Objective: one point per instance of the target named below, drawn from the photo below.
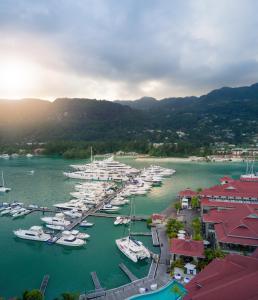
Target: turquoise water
(24, 263)
(165, 293)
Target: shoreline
(164, 159)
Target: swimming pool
(172, 291)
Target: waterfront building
(233, 277)
(229, 194)
(187, 249)
(185, 197)
(157, 219)
(232, 230)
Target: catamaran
(133, 249)
(4, 189)
(250, 174)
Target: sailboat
(4, 189)
(133, 249)
(250, 174)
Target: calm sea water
(24, 263)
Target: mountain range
(223, 115)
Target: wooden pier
(129, 274)
(110, 215)
(44, 284)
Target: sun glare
(17, 78)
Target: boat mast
(3, 179)
(91, 159)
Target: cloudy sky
(125, 49)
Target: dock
(129, 274)
(110, 215)
(96, 281)
(141, 233)
(157, 275)
(44, 284)
(155, 238)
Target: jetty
(127, 272)
(155, 238)
(157, 275)
(110, 215)
(44, 284)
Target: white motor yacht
(35, 233)
(6, 211)
(86, 224)
(134, 250)
(73, 214)
(58, 219)
(80, 235)
(55, 227)
(109, 208)
(20, 213)
(67, 239)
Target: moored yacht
(58, 219)
(73, 214)
(109, 208)
(133, 249)
(67, 239)
(35, 233)
(3, 188)
(85, 223)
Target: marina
(36, 189)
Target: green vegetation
(178, 263)
(149, 222)
(173, 226)
(68, 296)
(170, 127)
(210, 254)
(32, 295)
(195, 202)
(196, 223)
(177, 206)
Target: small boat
(55, 227)
(67, 239)
(121, 220)
(29, 155)
(86, 224)
(35, 233)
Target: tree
(173, 226)
(32, 295)
(177, 206)
(69, 296)
(195, 202)
(196, 223)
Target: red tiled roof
(236, 226)
(226, 178)
(236, 188)
(206, 202)
(187, 193)
(157, 217)
(187, 248)
(234, 277)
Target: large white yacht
(67, 239)
(35, 233)
(85, 223)
(79, 235)
(109, 208)
(20, 213)
(73, 214)
(134, 250)
(55, 227)
(58, 219)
